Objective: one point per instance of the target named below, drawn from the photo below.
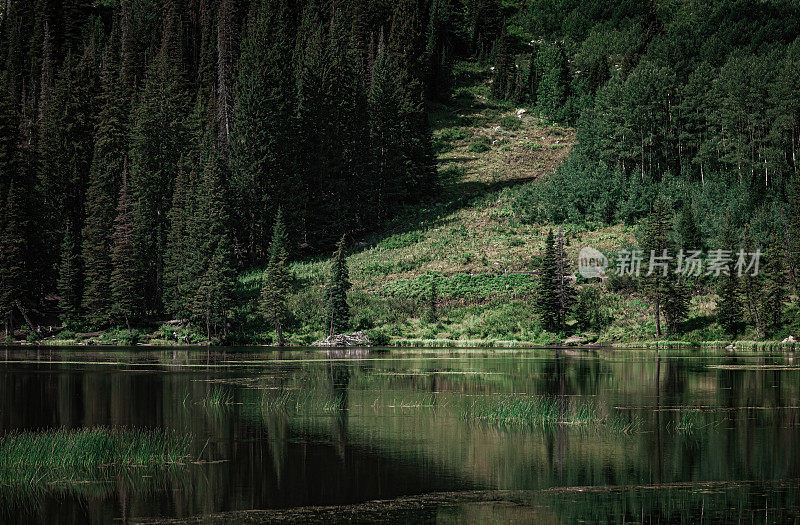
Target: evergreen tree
(110, 146)
(547, 300)
(729, 307)
(13, 247)
(431, 311)
(688, 233)
(160, 135)
(503, 83)
(275, 287)
(338, 286)
(660, 285)
(213, 296)
(69, 280)
(180, 261)
(263, 135)
(438, 50)
(564, 290)
(126, 287)
(773, 273)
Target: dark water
(716, 435)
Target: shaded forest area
(147, 145)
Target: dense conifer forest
(151, 150)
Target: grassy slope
(470, 241)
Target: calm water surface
(712, 437)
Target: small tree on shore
(275, 287)
(564, 291)
(431, 313)
(338, 286)
(546, 300)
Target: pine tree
(794, 229)
(547, 305)
(126, 287)
(160, 136)
(729, 307)
(688, 231)
(504, 69)
(110, 146)
(263, 135)
(564, 290)
(431, 311)
(668, 296)
(180, 261)
(338, 286)
(69, 280)
(773, 275)
(437, 51)
(276, 282)
(13, 247)
(215, 279)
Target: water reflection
(718, 432)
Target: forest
(147, 147)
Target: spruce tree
(180, 259)
(214, 283)
(69, 280)
(13, 247)
(338, 316)
(729, 306)
(431, 310)
(263, 135)
(667, 294)
(126, 287)
(688, 232)
(110, 147)
(160, 135)
(276, 281)
(773, 276)
(564, 290)
(547, 305)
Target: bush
(511, 123)
(480, 145)
(379, 337)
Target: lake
(418, 435)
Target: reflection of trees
(340, 380)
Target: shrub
(379, 337)
(511, 123)
(481, 144)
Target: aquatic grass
(62, 455)
(217, 397)
(544, 411)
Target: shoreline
(438, 344)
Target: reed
(544, 411)
(68, 455)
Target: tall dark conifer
(262, 136)
(212, 298)
(69, 279)
(110, 149)
(126, 284)
(275, 285)
(13, 260)
(160, 135)
(338, 316)
(547, 303)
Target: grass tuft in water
(217, 397)
(70, 455)
(544, 411)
